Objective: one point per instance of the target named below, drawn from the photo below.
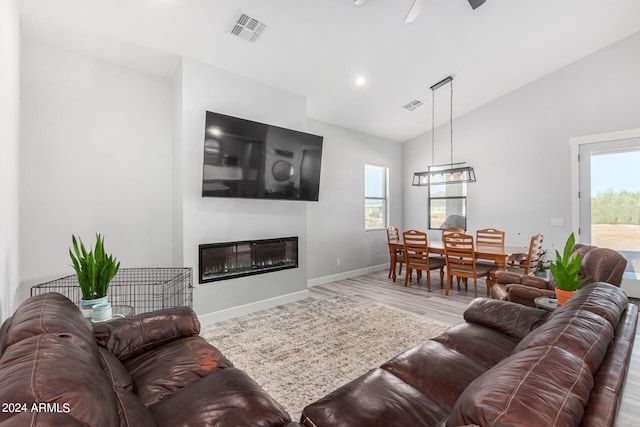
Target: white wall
(95, 156)
(336, 223)
(9, 137)
(519, 144)
(213, 220)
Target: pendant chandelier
(449, 173)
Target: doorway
(609, 198)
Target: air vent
(413, 105)
(247, 28)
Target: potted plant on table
(565, 271)
(94, 269)
(543, 264)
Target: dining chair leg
(475, 286)
(446, 290)
(490, 281)
(441, 277)
(407, 276)
(428, 274)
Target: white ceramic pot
(86, 305)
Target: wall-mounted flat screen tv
(243, 158)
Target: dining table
(498, 254)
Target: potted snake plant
(94, 269)
(565, 270)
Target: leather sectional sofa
(507, 365)
(148, 370)
(597, 265)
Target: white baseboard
(346, 275)
(242, 310)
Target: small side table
(122, 311)
(546, 303)
(117, 312)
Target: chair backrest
(535, 249)
(602, 265)
(392, 234)
(459, 252)
(490, 236)
(416, 251)
(450, 230)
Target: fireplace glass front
(221, 261)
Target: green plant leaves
(95, 269)
(566, 267)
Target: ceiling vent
(247, 28)
(413, 105)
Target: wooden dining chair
(460, 256)
(529, 267)
(416, 255)
(490, 236)
(396, 256)
(450, 230)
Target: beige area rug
(300, 352)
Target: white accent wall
(519, 145)
(9, 138)
(216, 220)
(336, 223)
(95, 156)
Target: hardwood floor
(448, 309)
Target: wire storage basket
(144, 289)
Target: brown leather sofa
(507, 365)
(147, 370)
(597, 265)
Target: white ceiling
(316, 48)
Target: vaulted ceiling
(318, 48)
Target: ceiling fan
(416, 8)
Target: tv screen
(243, 158)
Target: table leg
(393, 259)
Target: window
(448, 206)
(375, 197)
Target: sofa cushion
(132, 336)
(164, 370)
(581, 333)
(114, 370)
(484, 346)
(49, 313)
(599, 298)
(377, 398)
(435, 370)
(227, 397)
(43, 419)
(540, 386)
(506, 317)
(131, 410)
(52, 369)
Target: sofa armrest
(512, 319)
(526, 295)
(132, 336)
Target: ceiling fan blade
(476, 3)
(414, 12)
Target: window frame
(384, 198)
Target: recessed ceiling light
(360, 81)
